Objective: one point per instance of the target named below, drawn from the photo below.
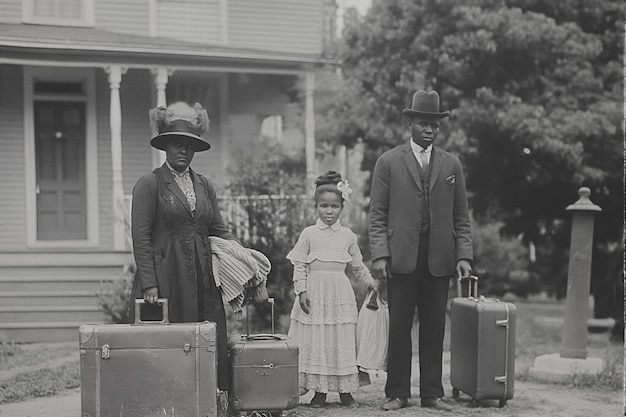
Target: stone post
(574, 344)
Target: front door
(60, 164)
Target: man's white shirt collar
(416, 148)
(334, 227)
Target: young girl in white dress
(324, 314)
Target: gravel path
(531, 399)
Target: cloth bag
(372, 332)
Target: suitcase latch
(501, 379)
(263, 372)
(106, 352)
(502, 323)
(187, 347)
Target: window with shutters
(59, 12)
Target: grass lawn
(539, 332)
(37, 370)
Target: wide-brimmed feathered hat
(180, 119)
(425, 104)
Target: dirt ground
(531, 399)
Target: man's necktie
(423, 160)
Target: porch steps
(46, 299)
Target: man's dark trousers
(429, 294)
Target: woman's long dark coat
(168, 236)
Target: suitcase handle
(472, 286)
(269, 300)
(162, 302)
(266, 336)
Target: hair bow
(345, 189)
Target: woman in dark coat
(174, 211)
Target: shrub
(272, 225)
(114, 296)
(503, 264)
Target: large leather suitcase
(148, 368)
(482, 347)
(264, 372)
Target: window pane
(69, 9)
(43, 8)
(65, 9)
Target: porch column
(309, 130)
(225, 127)
(161, 75)
(115, 119)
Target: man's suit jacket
(396, 214)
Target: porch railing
(253, 218)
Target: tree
(535, 88)
(270, 185)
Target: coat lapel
(411, 164)
(436, 162)
(201, 202)
(173, 187)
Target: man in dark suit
(420, 236)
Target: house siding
(135, 95)
(190, 21)
(292, 26)
(12, 213)
(209, 163)
(128, 16)
(11, 11)
(258, 95)
(281, 25)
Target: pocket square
(450, 180)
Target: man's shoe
(395, 403)
(437, 404)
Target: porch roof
(87, 46)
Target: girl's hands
(375, 285)
(305, 302)
(380, 287)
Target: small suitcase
(149, 368)
(482, 346)
(264, 372)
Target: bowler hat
(425, 104)
(180, 120)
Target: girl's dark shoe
(318, 401)
(347, 400)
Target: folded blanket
(238, 271)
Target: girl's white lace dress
(327, 335)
